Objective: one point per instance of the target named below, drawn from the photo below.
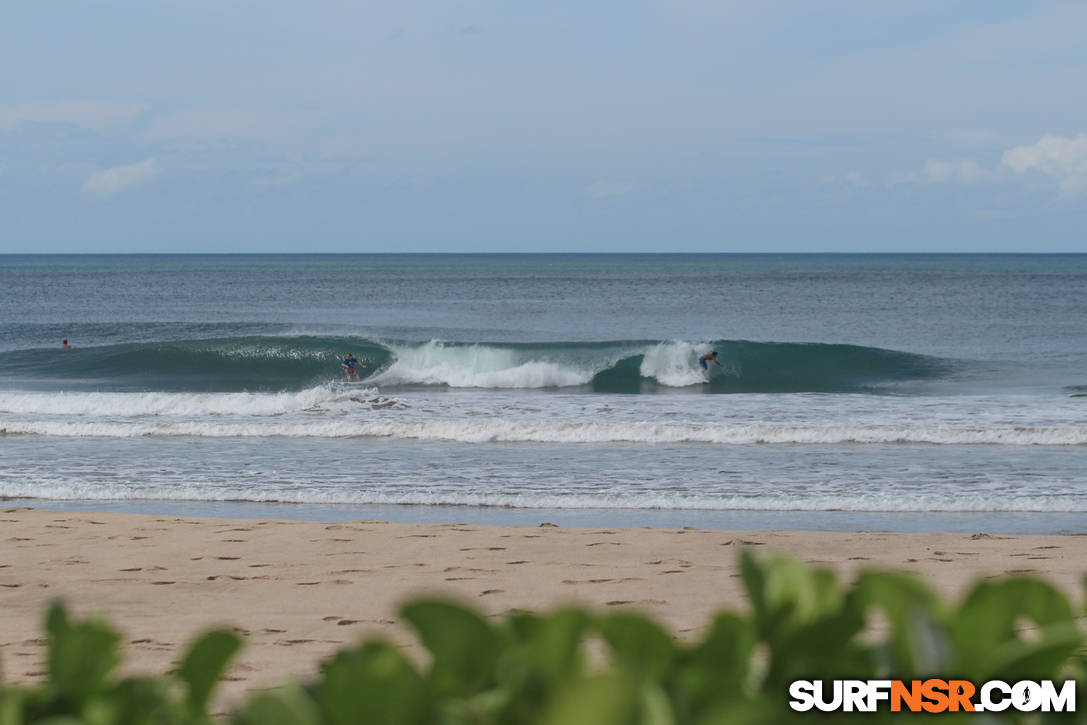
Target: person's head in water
(64, 344)
(714, 354)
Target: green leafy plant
(536, 668)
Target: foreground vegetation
(533, 668)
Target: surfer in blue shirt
(704, 360)
(349, 364)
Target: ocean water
(912, 392)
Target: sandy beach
(300, 590)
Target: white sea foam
(673, 364)
(858, 500)
(478, 366)
(174, 404)
(492, 430)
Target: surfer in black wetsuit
(349, 364)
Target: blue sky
(647, 125)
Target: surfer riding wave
(350, 365)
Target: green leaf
(918, 643)
(373, 683)
(289, 705)
(81, 656)
(550, 646)
(543, 653)
(987, 634)
(205, 663)
(716, 670)
(786, 595)
(638, 645)
(464, 647)
(609, 699)
(143, 699)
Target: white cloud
(89, 114)
(1063, 159)
(115, 179)
(608, 189)
(936, 171)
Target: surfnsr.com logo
(932, 695)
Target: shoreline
(964, 522)
(301, 590)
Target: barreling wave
(296, 363)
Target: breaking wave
(633, 366)
(509, 431)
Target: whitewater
(348, 411)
